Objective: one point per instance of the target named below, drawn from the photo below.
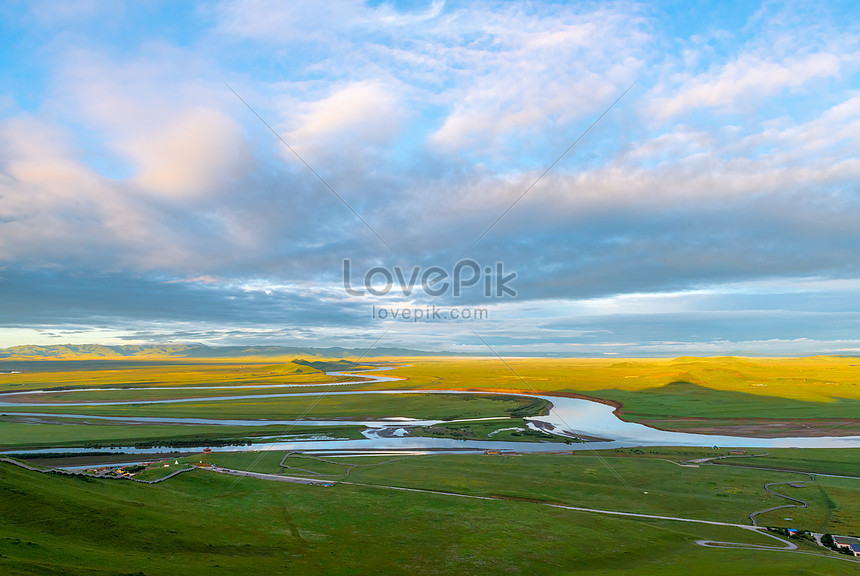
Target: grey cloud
(63, 298)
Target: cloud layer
(128, 168)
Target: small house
(845, 541)
(793, 533)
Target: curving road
(349, 467)
(800, 503)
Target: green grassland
(838, 461)
(657, 391)
(681, 394)
(157, 471)
(765, 388)
(204, 523)
(265, 461)
(320, 407)
(19, 435)
(695, 400)
(309, 466)
(840, 496)
(488, 430)
(165, 393)
(632, 484)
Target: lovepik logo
(434, 281)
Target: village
(847, 543)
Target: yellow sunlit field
(805, 396)
(98, 373)
(817, 396)
(815, 379)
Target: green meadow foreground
(202, 522)
(434, 513)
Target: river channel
(569, 417)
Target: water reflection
(570, 417)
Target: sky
(662, 178)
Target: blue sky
(713, 210)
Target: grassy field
(513, 430)
(55, 431)
(807, 380)
(661, 392)
(839, 461)
(168, 393)
(627, 482)
(159, 471)
(667, 390)
(320, 407)
(64, 375)
(204, 523)
(741, 396)
(19, 435)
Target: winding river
(570, 417)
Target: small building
(855, 548)
(845, 541)
(793, 532)
(207, 450)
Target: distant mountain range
(194, 351)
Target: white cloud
(286, 22)
(744, 81)
(356, 116)
(490, 71)
(196, 154)
(303, 20)
(532, 75)
(57, 211)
